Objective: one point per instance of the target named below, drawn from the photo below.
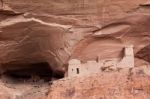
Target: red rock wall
(50, 30)
(53, 31)
(112, 85)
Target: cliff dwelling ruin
(77, 68)
(74, 49)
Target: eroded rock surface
(53, 31)
(50, 31)
(107, 85)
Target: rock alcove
(34, 72)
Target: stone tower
(128, 59)
(74, 67)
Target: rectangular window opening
(77, 70)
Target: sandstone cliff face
(131, 30)
(53, 31)
(112, 85)
(50, 30)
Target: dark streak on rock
(2, 3)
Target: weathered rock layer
(54, 30)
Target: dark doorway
(78, 71)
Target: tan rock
(114, 85)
